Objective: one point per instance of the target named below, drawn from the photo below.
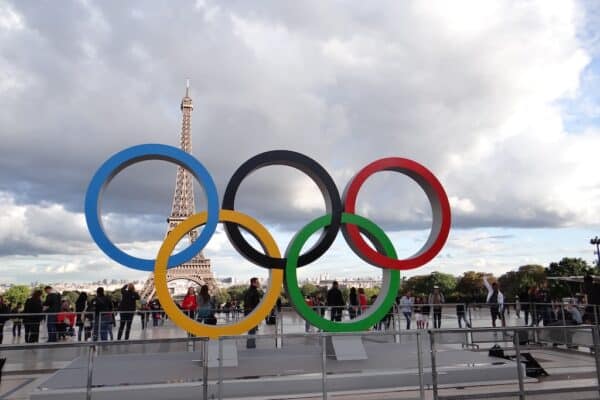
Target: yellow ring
(214, 331)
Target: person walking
(335, 301)
(436, 299)
(309, 302)
(52, 306)
(251, 299)
(17, 320)
(33, 316)
(406, 307)
(418, 311)
(127, 307)
(461, 310)
(495, 299)
(102, 314)
(190, 303)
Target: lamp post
(596, 241)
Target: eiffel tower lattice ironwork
(198, 268)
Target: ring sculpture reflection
(340, 215)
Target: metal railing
(434, 337)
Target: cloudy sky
(499, 99)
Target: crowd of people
(535, 305)
(93, 318)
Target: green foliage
(566, 267)
(308, 289)
(236, 292)
(514, 282)
(470, 287)
(422, 285)
(17, 294)
(221, 296)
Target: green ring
(377, 311)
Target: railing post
(205, 368)
(519, 365)
(324, 365)
(90, 371)
(420, 366)
(562, 309)
(434, 377)
(220, 371)
(596, 338)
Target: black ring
(317, 173)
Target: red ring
(437, 198)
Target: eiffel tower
(197, 269)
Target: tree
(308, 289)
(236, 292)
(221, 296)
(17, 294)
(423, 284)
(470, 286)
(566, 267)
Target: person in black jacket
(4, 316)
(127, 309)
(335, 300)
(102, 314)
(251, 300)
(33, 306)
(80, 308)
(52, 307)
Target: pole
(434, 377)
(90, 371)
(420, 366)
(324, 365)
(220, 373)
(205, 369)
(519, 366)
(596, 337)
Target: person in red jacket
(189, 303)
(65, 320)
(362, 300)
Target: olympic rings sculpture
(340, 216)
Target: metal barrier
(435, 338)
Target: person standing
(406, 307)
(4, 316)
(426, 309)
(353, 303)
(103, 314)
(33, 316)
(52, 306)
(495, 299)
(518, 307)
(362, 301)
(335, 301)
(436, 299)
(206, 307)
(127, 307)
(80, 307)
(17, 320)
(189, 303)
(309, 302)
(251, 300)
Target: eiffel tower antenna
(198, 268)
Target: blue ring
(133, 155)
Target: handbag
(212, 320)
